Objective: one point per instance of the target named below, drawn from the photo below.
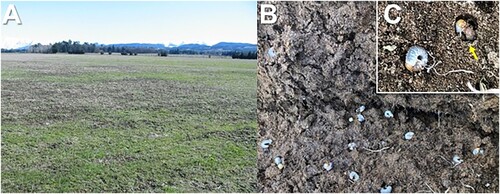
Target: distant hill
(222, 46)
(193, 47)
(233, 46)
(17, 49)
(24, 47)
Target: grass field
(92, 123)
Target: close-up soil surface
(321, 68)
(431, 25)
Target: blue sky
(126, 22)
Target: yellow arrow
(472, 51)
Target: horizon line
(29, 43)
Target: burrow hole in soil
(471, 20)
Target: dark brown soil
(431, 25)
(323, 70)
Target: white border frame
(495, 91)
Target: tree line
(75, 47)
(233, 54)
(242, 55)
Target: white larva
(388, 114)
(476, 151)
(409, 135)
(328, 166)
(353, 176)
(465, 30)
(266, 143)
(271, 53)
(361, 118)
(386, 189)
(279, 162)
(352, 146)
(416, 59)
(457, 160)
(360, 109)
(460, 25)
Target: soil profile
(316, 67)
